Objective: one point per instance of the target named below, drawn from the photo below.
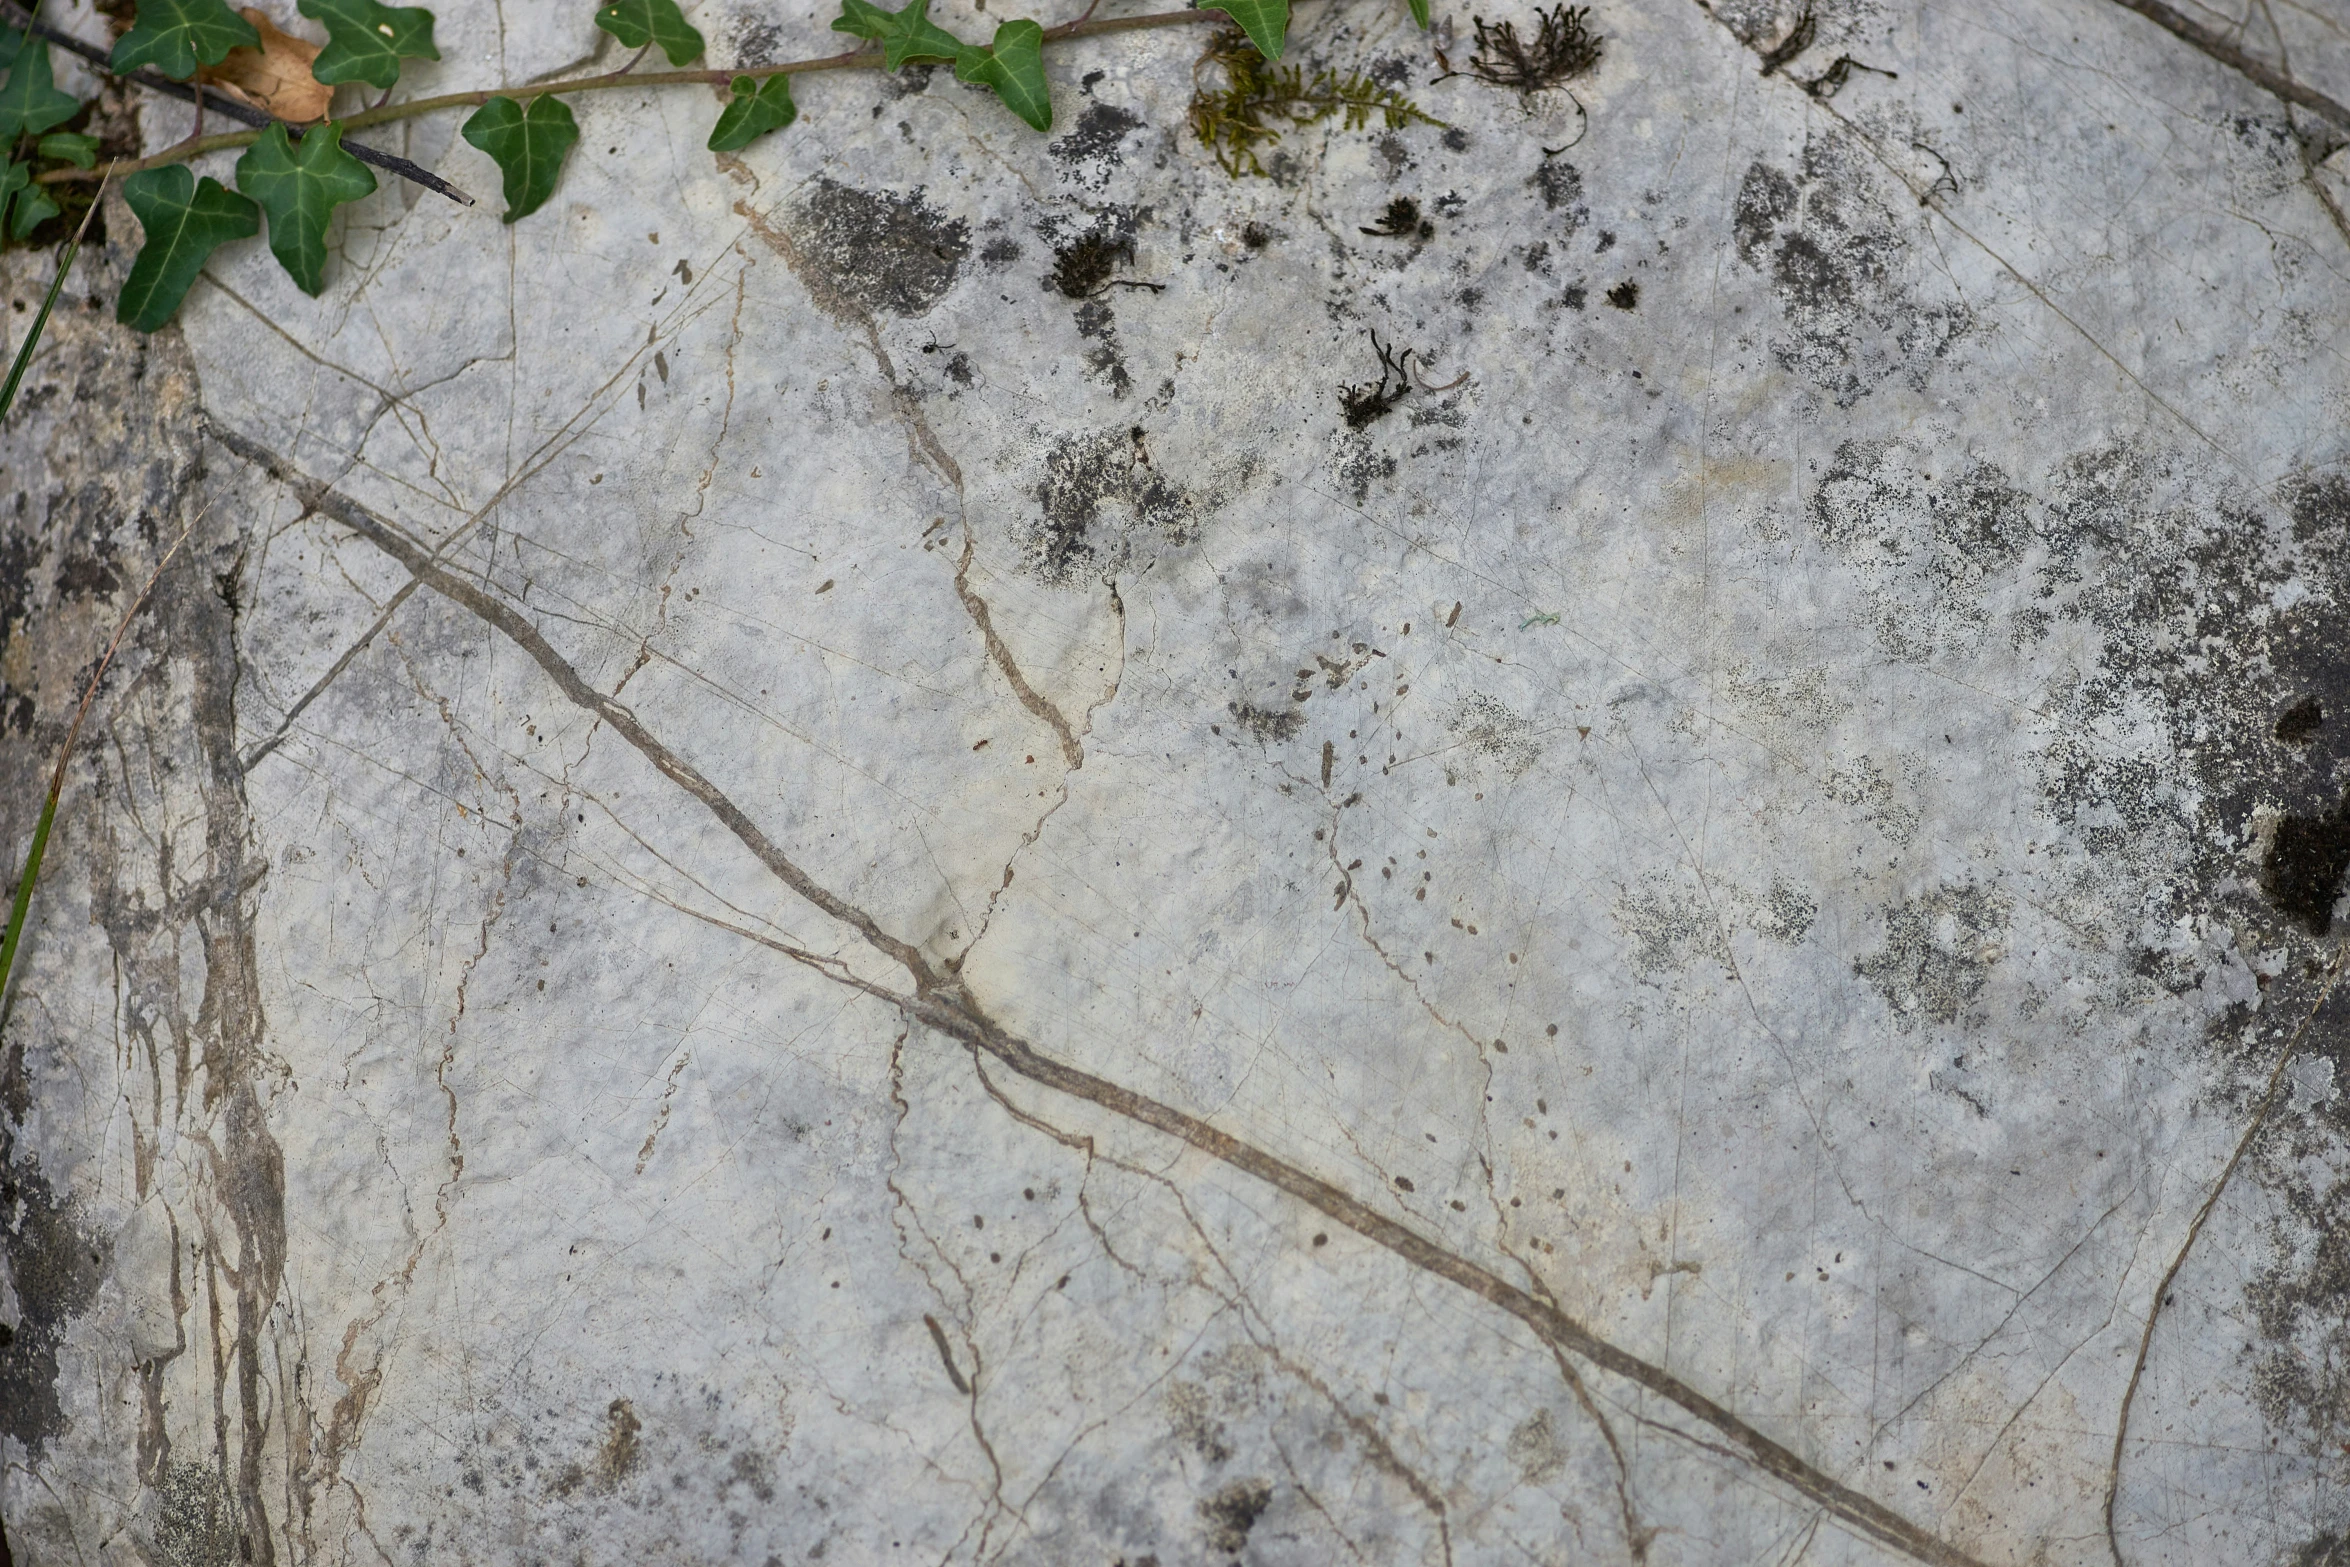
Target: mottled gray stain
(1938, 953)
(56, 1269)
(1099, 497)
(1839, 260)
(881, 251)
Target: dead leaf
(274, 78)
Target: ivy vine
(296, 170)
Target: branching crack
(940, 1002)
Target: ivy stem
(1086, 26)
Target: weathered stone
(934, 843)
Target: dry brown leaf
(274, 78)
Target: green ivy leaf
(299, 184)
(637, 23)
(365, 41)
(185, 220)
(15, 179)
(34, 207)
(528, 144)
(11, 40)
(71, 147)
(757, 108)
(1014, 66)
(908, 34)
(32, 100)
(1267, 21)
(176, 36)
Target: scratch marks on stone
(2259, 1122)
(941, 1003)
(923, 442)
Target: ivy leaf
(757, 108)
(528, 144)
(907, 34)
(1267, 21)
(176, 36)
(365, 41)
(1014, 66)
(185, 220)
(11, 40)
(71, 147)
(15, 179)
(1420, 13)
(299, 184)
(637, 23)
(32, 101)
(34, 207)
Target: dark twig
(1798, 39)
(1366, 402)
(1831, 81)
(2226, 53)
(220, 103)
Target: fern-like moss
(1260, 101)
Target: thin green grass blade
(73, 733)
(24, 357)
(24, 892)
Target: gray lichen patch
(1102, 500)
(882, 252)
(1939, 952)
(1493, 735)
(1844, 269)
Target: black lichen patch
(1105, 360)
(880, 251)
(1096, 144)
(2303, 870)
(1256, 236)
(1561, 186)
(1089, 263)
(1232, 1512)
(1360, 465)
(1401, 220)
(56, 1270)
(1625, 295)
(1838, 259)
(1099, 495)
(1938, 953)
(2297, 724)
(999, 253)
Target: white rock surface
(763, 892)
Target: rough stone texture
(780, 878)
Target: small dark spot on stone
(1625, 295)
